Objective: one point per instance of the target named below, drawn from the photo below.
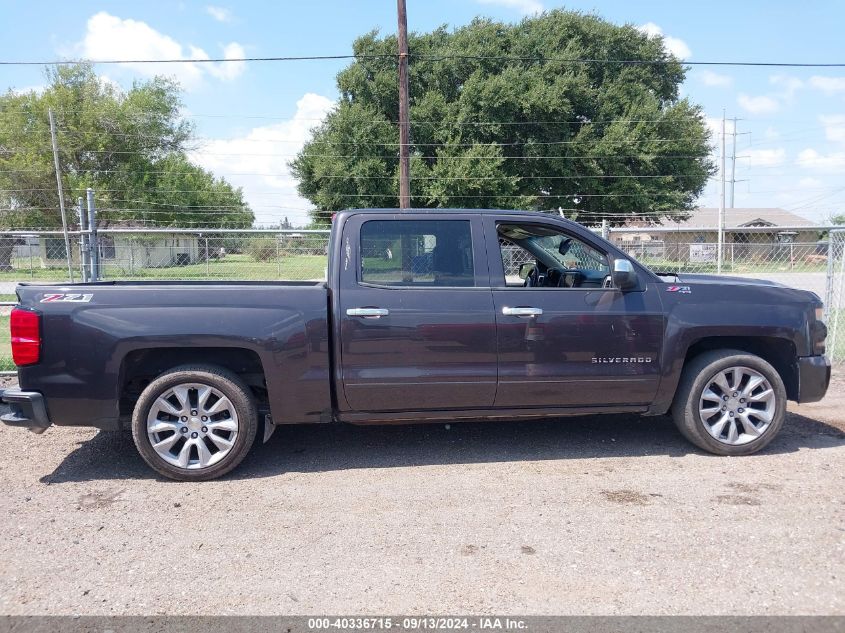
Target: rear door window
(417, 253)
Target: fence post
(828, 282)
(31, 269)
(207, 273)
(835, 303)
(83, 240)
(93, 256)
(278, 258)
(605, 230)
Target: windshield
(569, 253)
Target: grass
(292, 268)
(836, 320)
(239, 266)
(6, 363)
(666, 265)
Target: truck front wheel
(194, 423)
(730, 402)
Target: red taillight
(26, 336)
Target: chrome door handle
(522, 312)
(372, 313)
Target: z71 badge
(67, 298)
(684, 290)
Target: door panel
(569, 346)
(588, 347)
(433, 345)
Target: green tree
(129, 146)
(604, 140)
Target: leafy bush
(262, 249)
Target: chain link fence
(170, 254)
(835, 297)
(795, 257)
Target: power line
(420, 57)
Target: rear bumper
(813, 378)
(27, 410)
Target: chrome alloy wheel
(737, 405)
(192, 425)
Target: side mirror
(525, 270)
(564, 246)
(624, 275)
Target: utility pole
(404, 126)
(721, 238)
(733, 179)
(61, 192)
(733, 163)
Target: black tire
(697, 376)
(223, 380)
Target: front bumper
(27, 409)
(813, 378)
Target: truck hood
(723, 280)
(694, 278)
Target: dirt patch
(98, 499)
(737, 500)
(626, 496)
(750, 488)
(832, 408)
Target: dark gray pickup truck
(426, 316)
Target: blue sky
(252, 116)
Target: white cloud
(834, 127)
(762, 104)
(229, 70)
(715, 126)
(765, 157)
(789, 84)
(811, 159)
(110, 37)
(266, 151)
(221, 14)
(810, 183)
(771, 134)
(715, 79)
(674, 45)
(526, 7)
(38, 89)
(828, 85)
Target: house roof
(742, 217)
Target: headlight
(818, 332)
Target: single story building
(128, 251)
(750, 234)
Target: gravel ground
(602, 515)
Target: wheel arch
(139, 367)
(780, 353)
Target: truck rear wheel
(194, 423)
(730, 402)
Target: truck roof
(507, 212)
(453, 211)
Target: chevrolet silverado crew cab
(426, 316)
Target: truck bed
(108, 330)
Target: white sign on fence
(702, 253)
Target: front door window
(536, 256)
